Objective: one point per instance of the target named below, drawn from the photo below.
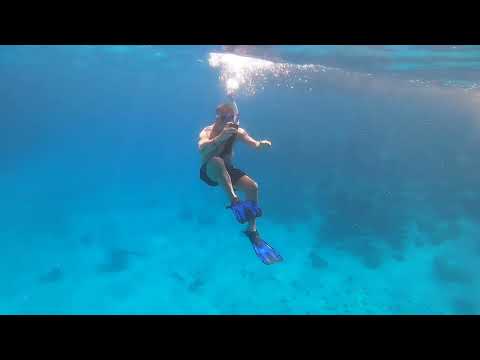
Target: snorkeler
(216, 149)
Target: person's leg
(264, 251)
(250, 188)
(217, 171)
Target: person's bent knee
(254, 186)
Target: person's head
(225, 114)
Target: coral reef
(437, 232)
(371, 256)
(464, 306)
(317, 262)
(178, 277)
(359, 221)
(118, 260)
(450, 271)
(196, 285)
(54, 275)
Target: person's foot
(264, 251)
(243, 210)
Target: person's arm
(250, 141)
(208, 146)
(204, 142)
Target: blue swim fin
(264, 251)
(245, 210)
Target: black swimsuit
(235, 174)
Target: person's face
(226, 118)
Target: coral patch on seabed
(464, 307)
(177, 277)
(451, 271)
(317, 262)
(372, 259)
(118, 260)
(196, 285)
(54, 275)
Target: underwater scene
(239, 180)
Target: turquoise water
(370, 189)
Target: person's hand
(226, 133)
(264, 144)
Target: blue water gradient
(369, 192)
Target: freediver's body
(215, 144)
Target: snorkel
(233, 85)
(236, 116)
